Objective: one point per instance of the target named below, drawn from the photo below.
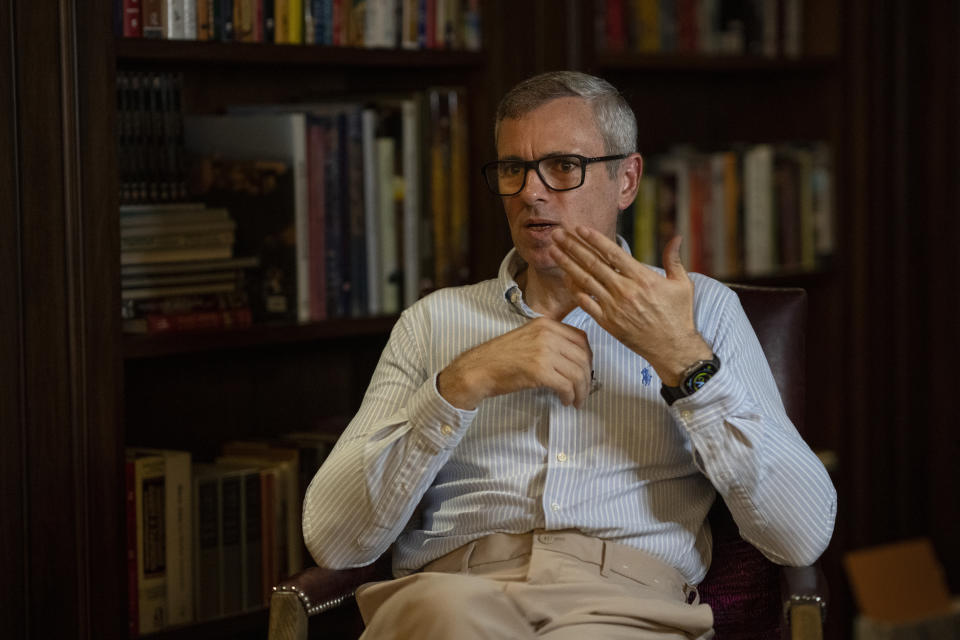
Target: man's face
(563, 125)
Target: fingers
(671, 259)
(564, 360)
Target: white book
(190, 19)
(758, 211)
(178, 496)
(267, 136)
(173, 19)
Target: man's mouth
(541, 225)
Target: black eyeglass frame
(535, 165)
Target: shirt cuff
(436, 420)
(721, 396)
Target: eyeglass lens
(557, 172)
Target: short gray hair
(614, 117)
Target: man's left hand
(650, 314)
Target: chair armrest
(804, 594)
(320, 589)
(313, 591)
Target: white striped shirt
(626, 467)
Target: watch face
(699, 377)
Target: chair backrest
(742, 586)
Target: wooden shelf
(805, 279)
(142, 346)
(713, 63)
(244, 625)
(197, 52)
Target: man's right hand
(541, 353)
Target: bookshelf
(81, 390)
(194, 390)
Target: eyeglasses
(558, 173)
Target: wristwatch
(694, 377)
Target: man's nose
(533, 186)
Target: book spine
(173, 19)
(198, 321)
(205, 19)
(179, 546)
(151, 533)
(206, 516)
(410, 141)
(370, 204)
(132, 20)
(269, 21)
(226, 25)
(133, 609)
(152, 14)
(190, 19)
(316, 148)
(231, 558)
(295, 21)
(252, 542)
(176, 240)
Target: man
(544, 447)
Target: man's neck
(546, 293)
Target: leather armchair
(751, 597)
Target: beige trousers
(557, 585)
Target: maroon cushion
(742, 586)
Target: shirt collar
(511, 266)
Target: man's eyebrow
(546, 155)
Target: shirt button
(562, 457)
(555, 506)
(514, 296)
(686, 414)
(446, 430)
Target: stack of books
(178, 270)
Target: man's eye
(564, 165)
(511, 169)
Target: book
(173, 19)
(152, 17)
(132, 22)
(286, 459)
(197, 236)
(190, 19)
(206, 542)
(199, 266)
(133, 596)
(759, 224)
(150, 505)
(205, 20)
(178, 513)
(276, 137)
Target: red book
(132, 21)
(616, 31)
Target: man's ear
(631, 169)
